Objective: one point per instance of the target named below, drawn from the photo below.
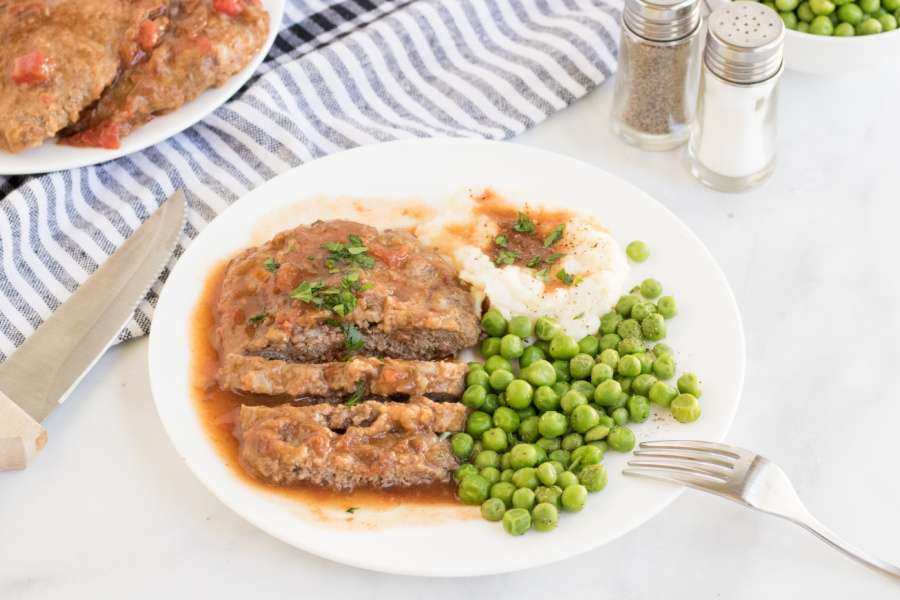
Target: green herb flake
(566, 278)
(258, 318)
(535, 262)
(578, 316)
(555, 235)
(353, 337)
(543, 275)
(354, 252)
(501, 240)
(524, 224)
(506, 257)
(271, 265)
(554, 257)
(352, 509)
(357, 394)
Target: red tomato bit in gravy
(32, 67)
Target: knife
(38, 376)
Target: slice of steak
(208, 41)
(312, 292)
(337, 380)
(373, 444)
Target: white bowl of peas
(834, 36)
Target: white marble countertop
(109, 511)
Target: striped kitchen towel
(341, 73)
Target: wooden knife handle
(20, 436)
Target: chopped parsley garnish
(578, 316)
(554, 257)
(357, 394)
(258, 318)
(354, 252)
(543, 275)
(271, 265)
(523, 223)
(339, 300)
(568, 278)
(501, 240)
(352, 509)
(506, 257)
(353, 337)
(555, 235)
(535, 262)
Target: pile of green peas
(536, 437)
(838, 17)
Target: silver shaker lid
(662, 20)
(744, 42)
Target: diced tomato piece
(32, 67)
(107, 135)
(232, 8)
(148, 35)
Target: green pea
(790, 19)
(490, 347)
(629, 328)
(574, 497)
(563, 347)
(523, 455)
(566, 478)
(486, 458)
(526, 477)
(596, 433)
(589, 345)
(607, 392)
(621, 439)
(609, 357)
(868, 27)
(688, 383)
(516, 521)
(571, 441)
(609, 322)
(561, 387)
(642, 311)
(465, 471)
(620, 416)
(850, 13)
(585, 388)
(580, 366)
(825, 7)
(666, 307)
(888, 22)
(642, 384)
(821, 25)
(560, 460)
(543, 345)
(600, 444)
(583, 418)
(844, 30)
(519, 394)
(546, 473)
(478, 377)
(609, 341)
(654, 327)
(546, 329)
(492, 474)
(524, 413)
(868, 6)
(477, 423)
(625, 382)
(662, 394)
(786, 5)
(491, 402)
(586, 455)
(506, 419)
(629, 366)
(494, 439)
(549, 494)
(475, 366)
(570, 400)
(497, 362)
(545, 516)
(473, 489)
(660, 350)
(511, 346)
(637, 251)
(562, 370)
(769, 4)
(600, 372)
(630, 346)
(528, 429)
(803, 27)
(474, 396)
(548, 444)
(625, 304)
(506, 476)
(664, 367)
(503, 491)
(646, 362)
(499, 380)
(523, 498)
(493, 323)
(545, 398)
(638, 408)
(540, 372)
(520, 326)
(804, 12)
(593, 477)
(530, 355)
(462, 444)
(553, 424)
(890, 4)
(685, 408)
(607, 421)
(492, 509)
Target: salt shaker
(732, 145)
(655, 92)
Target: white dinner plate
(51, 156)
(435, 541)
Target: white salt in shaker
(732, 145)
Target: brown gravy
(218, 408)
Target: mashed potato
(591, 256)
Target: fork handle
(808, 522)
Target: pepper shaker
(655, 93)
(732, 145)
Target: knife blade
(39, 375)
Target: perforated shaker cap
(662, 20)
(744, 42)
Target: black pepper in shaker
(655, 92)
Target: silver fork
(742, 476)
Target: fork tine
(683, 466)
(690, 455)
(697, 446)
(696, 481)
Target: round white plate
(51, 156)
(417, 540)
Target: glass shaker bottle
(656, 86)
(732, 145)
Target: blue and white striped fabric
(342, 73)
